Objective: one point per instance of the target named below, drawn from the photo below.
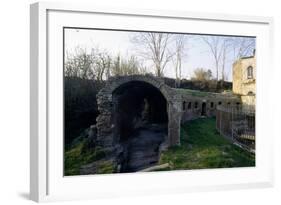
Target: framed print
(127, 102)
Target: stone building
(238, 123)
(244, 79)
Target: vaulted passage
(140, 123)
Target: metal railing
(237, 123)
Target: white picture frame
(47, 182)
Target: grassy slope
(75, 158)
(80, 155)
(203, 147)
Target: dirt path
(143, 147)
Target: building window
(219, 103)
(189, 106)
(196, 105)
(212, 104)
(250, 72)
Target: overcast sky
(118, 42)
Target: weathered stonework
(105, 123)
(243, 83)
(238, 122)
(174, 112)
(197, 104)
(181, 105)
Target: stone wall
(105, 124)
(108, 140)
(248, 100)
(197, 104)
(182, 105)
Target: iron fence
(238, 124)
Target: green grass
(203, 147)
(80, 155)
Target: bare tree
(225, 49)
(220, 48)
(154, 47)
(215, 46)
(88, 65)
(180, 41)
(101, 64)
(79, 64)
(242, 47)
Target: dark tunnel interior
(137, 104)
(140, 124)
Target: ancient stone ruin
(140, 116)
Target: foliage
(203, 147)
(80, 155)
(100, 64)
(84, 76)
(75, 158)
(129, 66)
(79, 64)
(80, 105)
(203, 79)
(227, 48)
(154, 47)
(206, 86)
(200, 74)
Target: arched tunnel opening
(140, 124)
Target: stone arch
(137, 104)
(105, 121)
